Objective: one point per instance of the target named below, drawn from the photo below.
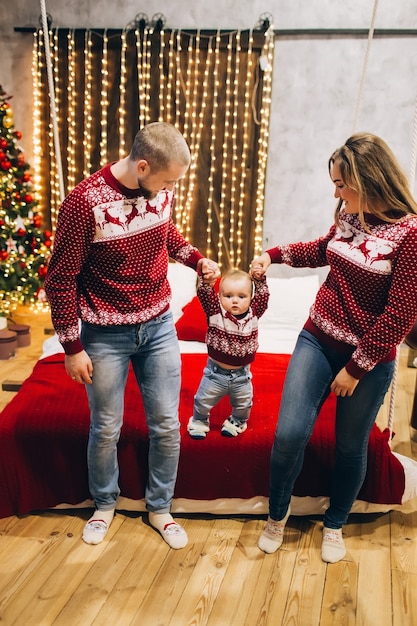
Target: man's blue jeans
(311, 370)
(153, 349)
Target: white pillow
(289, 304)
(183, 281)
(289, 301)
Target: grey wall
(315, 87)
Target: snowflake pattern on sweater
(232, 340)
(369, 298)
(110, 259)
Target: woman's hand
(259, 265)
(344, 384)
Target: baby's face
(235, 295)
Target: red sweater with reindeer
(110, 258)
(368, 302)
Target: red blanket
(44, 431)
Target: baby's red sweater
(231, 340)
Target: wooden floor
(49, 576)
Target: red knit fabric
(110, 259)
(44, 435)
(369, 298)
(231, 340)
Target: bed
(44, 430)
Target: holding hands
(259, 266)
(209, 270)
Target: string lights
(87, 104)
(216, 88)
(122, 104)
(104, 102)
(72, 97)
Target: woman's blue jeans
(310, 373)
(152, 348)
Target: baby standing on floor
(232, 342)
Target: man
(109, 267)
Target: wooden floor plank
(154, 580)
(404, 594)
(200, 591)
(340, 594)
(109, 561)
(239, 588)
(374, 579)
(53, 584)
(49, 577)
(306, 590)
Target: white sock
(97, 526)
(332, 548)
(106, 516)
(171, 532)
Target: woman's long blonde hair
(368, 165)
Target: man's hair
(160, 144)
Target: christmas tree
(24, 245)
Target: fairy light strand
(72, 104)
(104, 100)
(187, 92)
(235, 243)
(37, 124)
(226, 170)
(245, 146)
(122, 99)
(213, 164)
(87, 104)
(267, 52)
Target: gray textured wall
(315, 88)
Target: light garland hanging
(37, 124)
(234, 246)
(72, 103)
(87, 104)
(122, 105)
(267, 60)
(225, 154)
(104, 102)
(245, 149)
(210, 199)
(204, 84)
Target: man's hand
(79, 367)
(344, 384)
(209, 270)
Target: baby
(232, 342)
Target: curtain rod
(284, 33)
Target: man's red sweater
(110, 258)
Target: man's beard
(146, 193)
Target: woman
(362, 312)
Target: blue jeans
(311, 370)
(152, 348)
(218, 382)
